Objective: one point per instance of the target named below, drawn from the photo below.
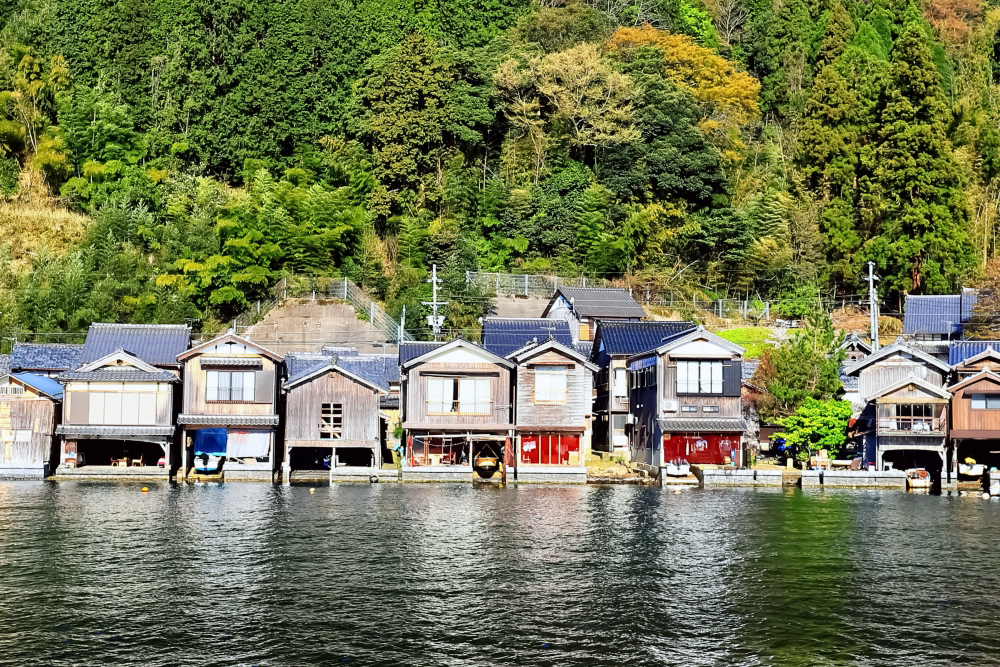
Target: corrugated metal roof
(628, 338)
(941, 314)
(599, 301)
(113, 431)
(228, 420)
(45, 356)
(46, 385)
(702, 425)
(116, 375)
(503, 335)
(412, 349)
(156, 344)
(960, 350)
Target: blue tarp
(211, 441)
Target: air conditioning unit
(629, 419)
(670, 406)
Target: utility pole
(872, 306)
(402, 326)
(434, 320)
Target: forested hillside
(168, 160)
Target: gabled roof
(108, 369)
(410, 349)
(503, 335)
(985, 374)
(40, 383)
(45, 356)
(598, 302)
(229, 338)
(331, 364)
(855, 340)
(156, 344)
(698, 333)
(533, 349)
(989, 353)
(628, 338)
(940, 392)
(960, 351)
(939, 314)
(430, 355)
(897, 348)
(380, 369)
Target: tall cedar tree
(914, 196)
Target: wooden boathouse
(30, 407)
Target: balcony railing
(911, 425)
(459, 408)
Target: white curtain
(247, 444)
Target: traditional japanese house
(975, 409)
(30, 407)
(614, 342)
(685, 402)
(230, 407)
(333, 422)
(48, 359)
(931, 322)
(584, 307)
(855, 349)
(905, 420)
(118, 413)
(552, 411)
(456, 411)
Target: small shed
(30, 407)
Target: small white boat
(971, 469)
(918, 478)
(678, 468)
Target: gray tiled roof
(45, 356)
(750, 367)
(702, 425)
(228, 420)
(115, 375)
(600, 301)
(941, 314)
(156, 344)
(379, 369)
(113, 431)
(300, 364)
(584, 347)
(503, 335)
(412, 349)
(4, 364)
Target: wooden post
(506, 460)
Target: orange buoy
(145, 489)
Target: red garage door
(696, 448)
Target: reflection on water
(250, 574)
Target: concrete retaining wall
(543, 474)
(716, 477)
(245, 474)
(9, 473)
(437, 474)
(854, 479)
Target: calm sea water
(251, 574)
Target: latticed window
(331, 421)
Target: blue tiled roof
(502, 335)
(960, 350)
(412, 349)
(379, 369)
(943, 314)
(45, 357)
(4, 364)
(156, 344)
(43, 384)
(300, 364)
(628, 338)
(749, 367)
(375, 371)
(584, 347)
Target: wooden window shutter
(79, 410)
(264, 389)
(732, 378)
(584, 331)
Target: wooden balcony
(911, 426)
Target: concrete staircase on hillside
(520, 306)
(306, 325)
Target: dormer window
(699, 377)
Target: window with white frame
(620, 383)
(699, 377)
(985, 401)
(231, 386)
(550, 384)
(467, 396)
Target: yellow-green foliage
(33, 220)
(750, 338)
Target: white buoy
(312, 490)
(986, 496)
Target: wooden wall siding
(992, 364)
(196, 381)
(579, 381)
(303, 405)
(911, 393)
(964, 418)
(888, 372)
(416, 393)
(729, 406)
(76, 401)
(26, 413)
